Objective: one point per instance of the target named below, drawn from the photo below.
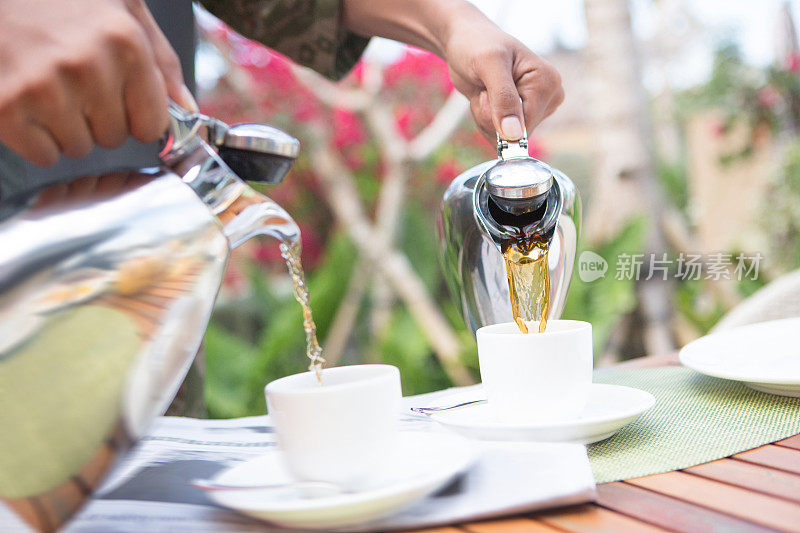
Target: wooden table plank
(773, 456)
(668, 512)
(748, 505)
(586, 518)
(751, 476)
(791, 442)
(513, 525)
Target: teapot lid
(516, 175)
(262, 139)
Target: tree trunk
(625, 182)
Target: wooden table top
(756, 490)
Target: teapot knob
(517, 182)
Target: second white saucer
(610, 408)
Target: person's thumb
(504, 100)
(166, 59)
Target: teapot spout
(254, 214)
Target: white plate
(424, 463)
(610, 407)
(765, 356)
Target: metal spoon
(429, 410)
(308, 489)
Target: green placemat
(696, 419)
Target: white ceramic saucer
(424, 463)
(610, 407)
(765, 356)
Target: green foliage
(697, 306)
(781, 213)
(418, 241)
(674, 182)
(229, 364)
(761, 99)
(403, 344)
(604, 301)
(729, 76)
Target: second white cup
(536, 377)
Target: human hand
(494, 70)
(487, 65)
(84, 72)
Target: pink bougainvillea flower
(353, 159)
(403, 118)
(411, 119)
(235, 281)
(265, 66)
(767, 97)
(358, 72)
(347, 129)
(267, 251)
(719, 128)
(536, 148)
(306, 109)
(312, 245)
(446, 171)
(421, 68)
(792, 61)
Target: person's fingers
(32, 142)
(482, 113)
(64, 120)
(541, 92)
(144, 90)
(45, 120)
(105, 106)
(72, 134)
(495, 70)
(167, 60)
(146, 104)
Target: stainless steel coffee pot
(474, 219)
(106, 287)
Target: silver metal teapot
(106, 287)
(475, 218)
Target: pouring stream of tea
(291, 254)
(265, 217)
(528, 282)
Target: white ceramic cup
(340, 431)
(536, 377)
